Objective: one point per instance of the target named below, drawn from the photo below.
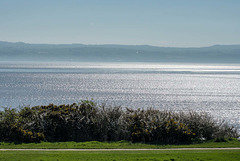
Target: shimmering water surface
(211, 88)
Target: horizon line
(118, 44)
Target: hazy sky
(179, 23)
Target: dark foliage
(86, 121)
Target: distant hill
(117, 53)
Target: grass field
(183, 155)
(166, 155)
(114, 145)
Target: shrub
(14, 126)
(86, 121)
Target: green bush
(16, 126)
(86, 121)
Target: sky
(170, 23)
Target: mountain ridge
(20, 51)
(79, 44)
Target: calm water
(211, 88)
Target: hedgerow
(87, 121)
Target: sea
(211, 88)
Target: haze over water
(179, 87)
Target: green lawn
(184, 155)
(173, 155)
(115, 145)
